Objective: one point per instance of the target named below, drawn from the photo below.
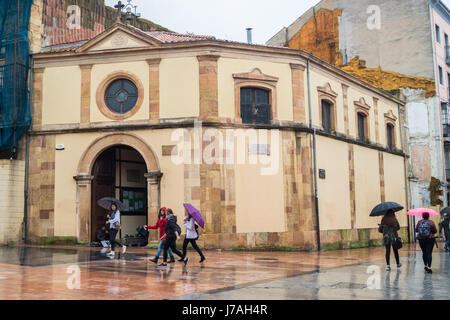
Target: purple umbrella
(195, 214)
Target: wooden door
(103, 185)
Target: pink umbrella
(418, 212)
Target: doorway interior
(119, 172)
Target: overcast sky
(224, 19)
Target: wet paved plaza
(33, 272)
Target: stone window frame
(100, 96)
(361, 107)
(255, 79)
(391, 120)
(327, 94)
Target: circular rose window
(121, 96)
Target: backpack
(424, 229)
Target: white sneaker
(124, 249)
(110, 254)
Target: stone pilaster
(42, 186)
(377, 129)
(85, 112)
(84, 187)
(36, 110)
(209, 92)
(153, 196)
(351, 167)
(154, 89)
(346, 119)
(381, 168)
(298, 92)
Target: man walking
(445, 226)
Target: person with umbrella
(113, 221)
(388, 227)
(191, 234)
(426, 229)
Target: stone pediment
(118, 37)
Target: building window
(362, 126)
(255, 97)
(121, 96)
(438, 34)
(390, 136)
(441, 76)
(448, 85)
(326, 115)
(327, 109)
(255, 106)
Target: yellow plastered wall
(61, 98)
(319, 79)
(172, 183)
(101, 71)
(394, 181)
(367, 186)
(260, 198)
(227, 67)
(179, 88)
(334, 190)
(66, 164)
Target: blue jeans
(160, 246)
(447, 244)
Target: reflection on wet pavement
(46, 273)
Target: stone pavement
(33, 272)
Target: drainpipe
(404, 147)
(27, 162)
(316, 198)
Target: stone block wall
(12, 197)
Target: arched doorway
(119, 172)
(102, 149)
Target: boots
(155, 259)
(172, 259)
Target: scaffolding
(15, 115)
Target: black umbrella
(382, 208)
(107, 202)
(445, 210)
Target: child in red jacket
(161, 225)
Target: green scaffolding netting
(15, 115)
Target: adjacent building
(398, 46)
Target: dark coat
(445, 224)
(171, 226)
(101, 235)
(389, 226)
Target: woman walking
(191, 236)
(114, 225)
(426, 229)
(161, 225)
(172, 235)
(389, 227)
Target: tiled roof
(168, 37)
(159, 36)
